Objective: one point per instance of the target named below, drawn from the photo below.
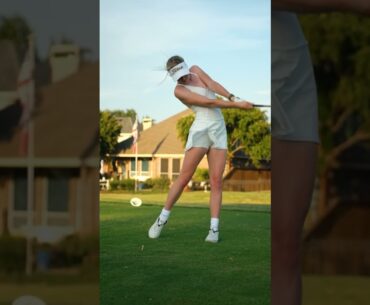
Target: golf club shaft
(260, 105)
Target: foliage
(73, 249)
(124, 113)
(339, 45)
(183, 126)
(17, 30)
(201, 174)
(124, 184)
(263, 149)
(248, 131)
(109, 131)
(12, 254)
(158, 184)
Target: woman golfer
(207, 135)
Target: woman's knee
(184, 179)
(216, 183)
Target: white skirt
(207, 134)
(294, 95)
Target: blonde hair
(173, 61)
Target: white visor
(179, 71)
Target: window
(58, 192)
(164, 168)
(133, 168)
(145, 167)
(20, 193)
(175, 168)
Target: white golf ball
(136, 202)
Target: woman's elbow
(212, 104)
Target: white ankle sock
(214, 223)
(163, 217)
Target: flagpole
(136, 151)
(136, 157)
(30, 195)
(135, 135)
(30, 166)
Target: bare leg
(293, 172)
(191, 160)
(216, 163)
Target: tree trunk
(323, 193)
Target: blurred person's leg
(293, 172)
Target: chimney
(64, 61)
(147, 122)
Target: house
(147, 122)
(126, 124)
(160, 152)
(66, 155)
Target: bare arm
(211, 84)
(192, 99)
(312, 6)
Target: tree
(339, 45)
(109, 131)
(183, 126)
(248, 131)
(124, 113)
(17, 30)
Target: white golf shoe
(212, 236)
(156, 228)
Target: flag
(135, 134)
(26, 94)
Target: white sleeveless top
(204, 113)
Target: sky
(52, 20)
(230, 40)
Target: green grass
(180, 268)
(254, 200)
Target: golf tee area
(179, 268)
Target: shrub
(201, 174)
(158, 184)
(125, 184)
(113, 184)
(148, 184)
(12, 254)
(73, 249)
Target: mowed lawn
(179, 268)
(247, 200)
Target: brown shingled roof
(126, 124)
(161, 138)
(66, 122)
(9, 66)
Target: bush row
(72, 250)
(161, 184)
